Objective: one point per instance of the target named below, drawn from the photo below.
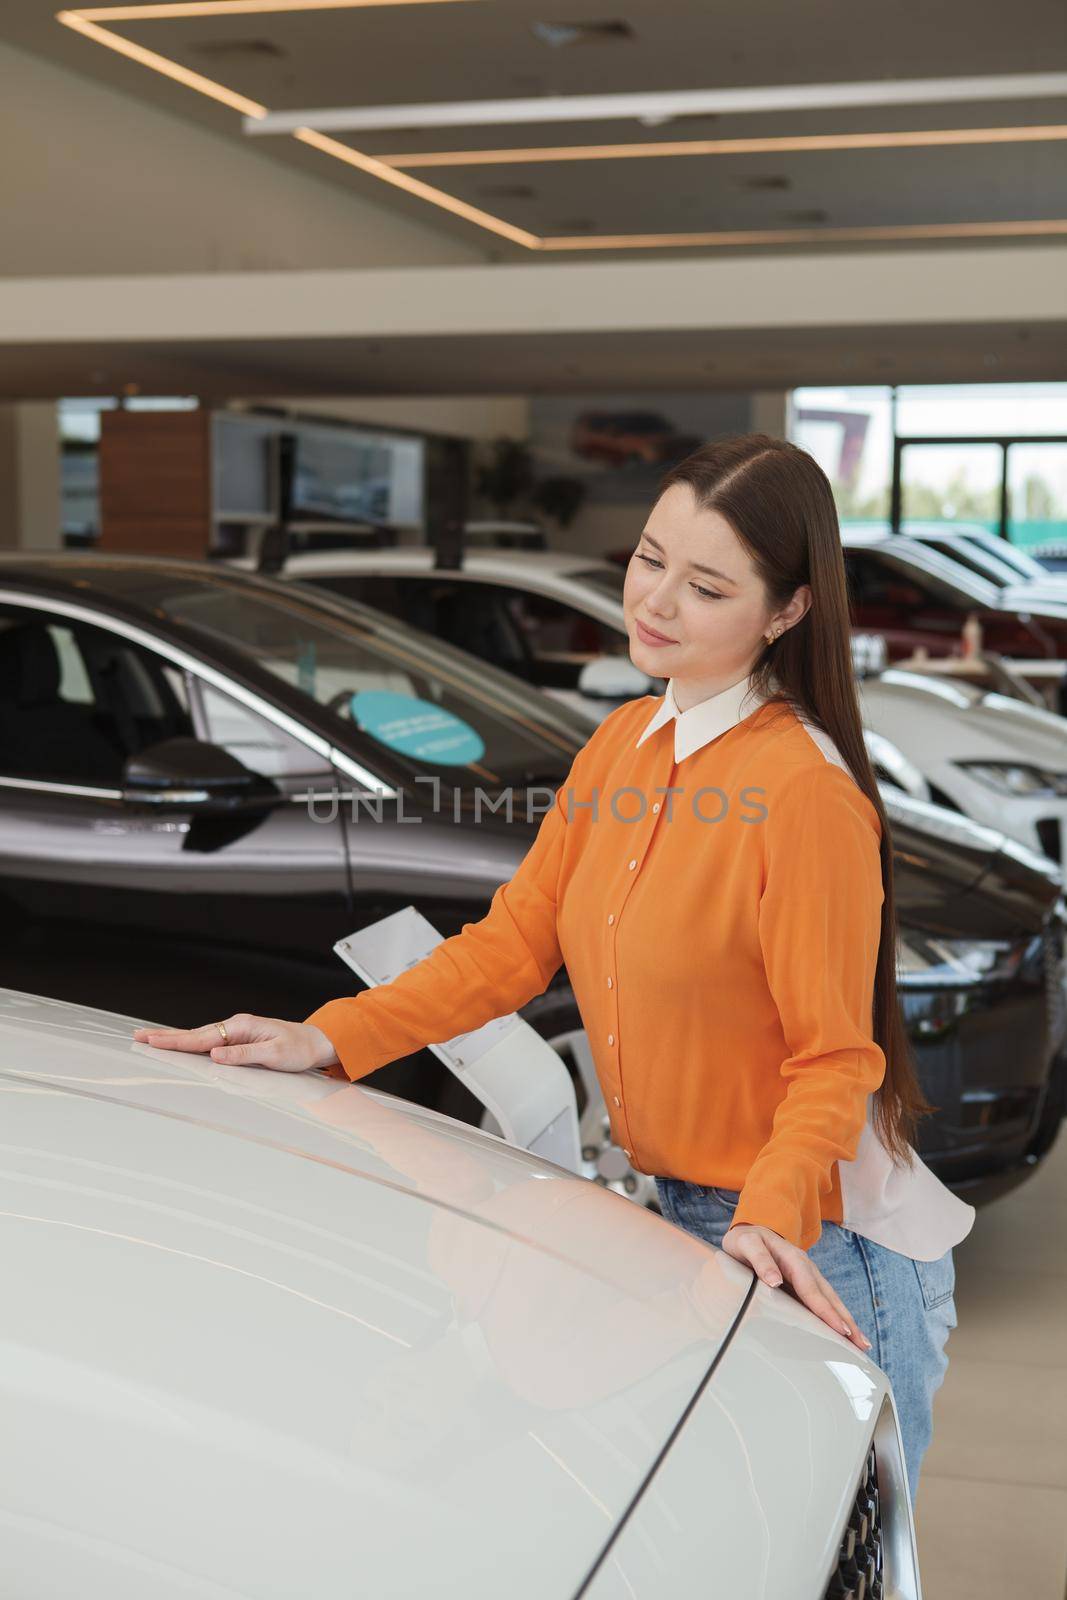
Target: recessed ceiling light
(238, 49)
(558, 35)
(508, 191)
(761, 181)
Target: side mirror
(191, 773)
(613, 678)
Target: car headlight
(1013, 778)
(924, 959)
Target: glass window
(469, 615)
(849, 431)
(74, 685)
(1037, 495)
(556, 631)
(975, 558)
(254, 740)
(76, 701)
(359, 667)
(951, 483)
(1005, 552)
(874, 581)
(1000, 410)
(383, 592)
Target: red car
(622, 438)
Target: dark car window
(556, 631)
(977, 561)
(436, 711)
(540, 638)
(253, 740)
(472, 616)
(77, 700)
(874, 581)
(373, 589)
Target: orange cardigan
(721, 941)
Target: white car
(552, 618)
(1021, 579)
(274, 1336)
(1001, 761)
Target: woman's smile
(649, 636)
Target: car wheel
(556, 1017)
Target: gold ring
(221, 1026)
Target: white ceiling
(470, 50)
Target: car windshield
(1020, 563)
(608, 580)
(433, 709)
(975, 560)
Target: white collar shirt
(703, 722)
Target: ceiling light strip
(1037, 134)
(255, 115)
(220, 8)
(436, 197)
(665, 104)
(170, 69)
(777, 236)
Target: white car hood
(241, 1303)
(961, 722)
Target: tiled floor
(992, 1510)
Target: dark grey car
(191, 812)
(192, 762)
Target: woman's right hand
(250, 1042)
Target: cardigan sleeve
(819, 930)
(489, 968)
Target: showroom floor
(992, 1511)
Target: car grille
(858, 1574)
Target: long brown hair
(781, 507)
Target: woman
(732, 942)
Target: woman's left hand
(774, 1260)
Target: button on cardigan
(711, 878)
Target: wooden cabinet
(155, 482)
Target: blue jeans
(905, 1307)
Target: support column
(30, 513)
(770, 412)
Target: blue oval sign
(416, 727)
